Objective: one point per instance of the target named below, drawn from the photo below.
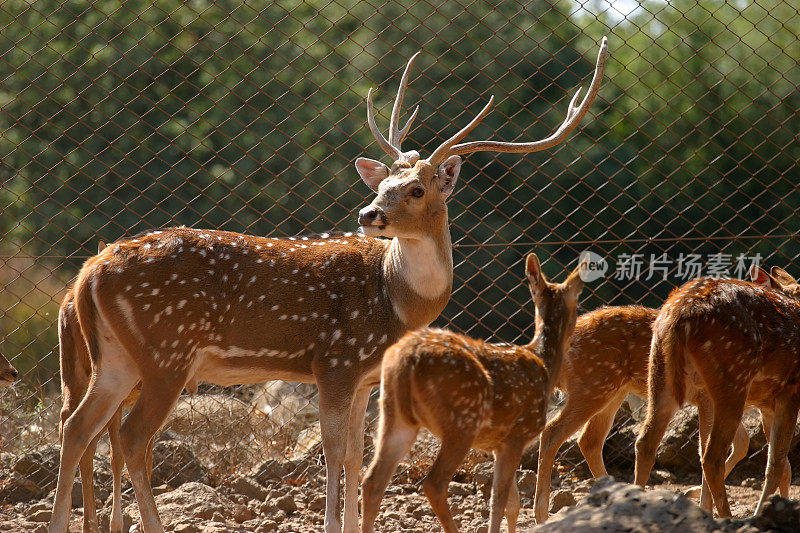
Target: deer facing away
(471, 394)
(180, 304)
(607, 359)
(739, 343)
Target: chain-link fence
(123, 116)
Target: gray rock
(40, 466)
(248, 487)
(286, 504)
(174, 464)
(617, 507)
(678, 449)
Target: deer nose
(368, 215)
(14, 373)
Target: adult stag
(180, 304)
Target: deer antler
(396, 134)
(573, 118)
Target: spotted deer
(76, 372)
(8, 374)
(180, 304)
(471, 394)
(607, 359)
(738, 342)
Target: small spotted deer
(182, 304)
(607, 359)
(471, 394)
(739, 343)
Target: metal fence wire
(120, 116)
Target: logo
(595, 266)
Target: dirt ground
(198, 508)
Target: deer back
(231, 308)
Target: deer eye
(418, 192)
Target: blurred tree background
(122, 116)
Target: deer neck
(419, 276)
(550, 343)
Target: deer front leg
(354, 458)
(335, 405)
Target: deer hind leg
(569, 420)
(512, 507)
(157, 398)
(661, 406)
(780, 437)
(505, 467)
(395, 438)
(767, 417)
(594, 434)
(727, 417)
(109, 386)
(117, 464)
(354, 457)
(87, 487)
(454, 448)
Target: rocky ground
(289, 497)
(203, 483)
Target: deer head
(412, 192)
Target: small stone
(40, 516)
(560, 499)
(249, 487)
(286, 503)
(316, 503)
(161, 489)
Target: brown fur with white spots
(607, 359)
(739, 343)
(471, 394)
(227, 308)
(76, 372)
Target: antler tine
(573, 118)
(393, 152)
(397, 135)
(446, 148)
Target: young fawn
(607, 359)
(471, 394)
(737, 342)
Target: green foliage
(120, 116)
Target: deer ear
(759, 276)
(448, 174)
(782, 277)
(533, 271)
(371, 171)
